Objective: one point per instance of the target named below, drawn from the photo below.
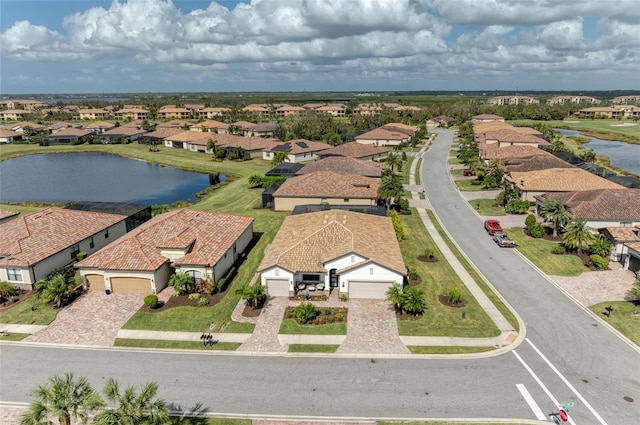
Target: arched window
(197, 276)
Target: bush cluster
(151, 300)
(306, 312)
(559, 250)
(601, 263)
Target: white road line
(571, 387)
(539, 381)
(532, 403)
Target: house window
(91, 244)
(14, 275)
(625, 224)
(106, 234)
(197, 276)
(311, 277)
(75, 249)
(346, 199)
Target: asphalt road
(595, 363)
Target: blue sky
(92, 46)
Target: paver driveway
(93, 319)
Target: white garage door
(376, 290)
(278, 287)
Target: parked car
(503, 240)
(467, 172)
(492, 226)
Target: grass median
(625, 317)
(175, 345)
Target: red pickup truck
(492, 226)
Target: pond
(625, 156)
(90, 176)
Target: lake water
(90, 176)
(622, 155)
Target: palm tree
(392, 161)
(255, 180)
(414, 301)
(54, 290)
(212, 145)
(554, 212)
(64, 398)
(390, 188)
(7, 291)
(182, 283)
(279, 158)
(131, 408)
(578, 235)
(395, 295)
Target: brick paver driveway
(93, 319)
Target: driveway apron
(265, 334)
(372, 329)
(93, 319)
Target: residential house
(131, 114)
(34, 245)
(262, 129)
(626, 100)
(210, 126)
(260, 110)
(326, 187)
(182, 124)
(620, 237)
(601, 112)
(92, 114)
(487, 118)
(300, 150)
(562, 100)
(333, 109)
(157, 136)
(8, 136)
(555, 180)
(167, 113)
(409, 130)
(213, 112)
(506, 137)
(68, 135)
(288, 111)
(382, 137)
(61, 126)
(21, 127)
(632, 260)
(253, 145)
(541, 160)
(183, 139)
(353, 253)
(6, 215)
(123, 134)
(344, 165)
(513, 100)
(204, 245)
(489, 152)
(12, 115)
(440, 121)
(99, 127)
(357, 150)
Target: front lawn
(437, 277)
(175, 345)
(473, 185)
(330, 321)
(487, 207)
(28, 208)
(13, 336)
(625, 317)
(29, 312)
(312, 348)
(538, 251)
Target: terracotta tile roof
(100, 124)
(206, 236)
(355, 150)
(483, 127)
(527, 130)
(215, 109)
(602, 204)
(9, 133)
(34, 237)
(634, 246)
(299, 146)
(344, 165)
(540, 161)
(559, 180)
(327, 184)
(306, 241)
(496, 152)
(69, 131)
(261, 127)
(163, 133)
(6, 214)
(175, 123)
(488, 117)
(442, 118)
(511, 136)
(92, 111)
(191, 137)
(382, 134)
(624, 234)
(223, 140)
(62, 124)
(124, 130)
(23, 124)
(209, 124)
(403, 128)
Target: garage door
(278, 287)
(130, 285)
(375, 290)
(634, 264)
(95, 282)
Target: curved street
(568, 356)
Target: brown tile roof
(511, 136)
(403, 128)
(442, 118)
(215, 109)
(34, 237)
(191, 137)
(253, 143)
(163, 133)
(527, 130)
(496, 152)
(382, 134)
(344, 165)
(62, 124)
(624, 234)
(306, 241)
(540, 161)
(175, 123)
(124, 130)
(261, 127)
(559, 180)
(602, 204)
(69, 131)
(299, 146)
(488, 117)
(100, 124)
(327, 184)
(206, 235)
(210, 124)
(483, 127)
(9, 133)
(6, 214)
(355, 150)
(23, 124)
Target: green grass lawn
(538, 251)
(487, 207)
(449, 423)
(22, 313)
(312, 348)
(417, 349)
(291, 327)
(469, 185)
(454, 161)
(437, 278)
(176, 345)
(602, 129)
(13, 337)
(22, 209)
(622, 318)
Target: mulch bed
(336, 315)
(401, 315)
(6, 304)
(444, 299)
(551, 238)
(425, 259)
(414, 282)
(251, 312)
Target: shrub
(516, 206)
(530, 220)
(194, 296)
(413, 274)
(601, 247)
(202, 302)
(429, 252)
(306, 312)
(559, 250)
(536, 231)
(151, 300)
(455, 295)
(81, 255)
(397, 224)
(343, 297)
(601, 263)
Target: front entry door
(333, 278)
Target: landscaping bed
(328, 321)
